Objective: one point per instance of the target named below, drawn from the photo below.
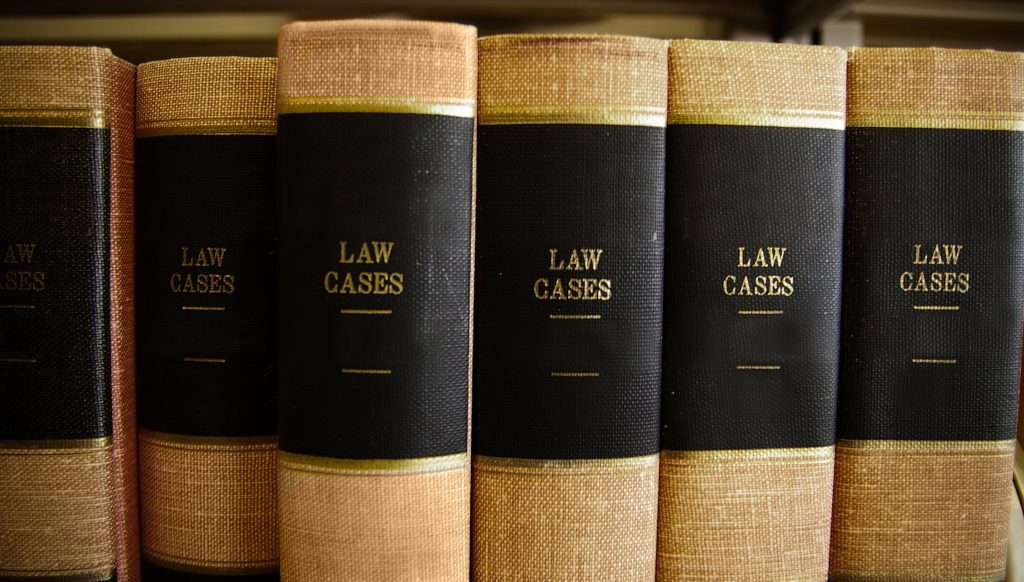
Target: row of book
(716, 310)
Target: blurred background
(142, 30)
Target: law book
(205, 181)
(375, 226)
(754, 214)
(932, 291)
(567, 353)
(68, 500)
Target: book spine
(67, 421)
(754, 213)
(205, 174)
(932, 290)
(567, 350)
(376, 137)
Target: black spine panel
(54, 283)
(752, 335)
(375, 222)
(934, 272)
(570, 224)
(205, 284)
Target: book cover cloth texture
(207, 402)
(932, 295)
(68, 487)
(568, 307)
(754, 210)
(375, 221)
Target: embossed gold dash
(17, 306)
(574, 316)
(375, 371)
(575, 374)
(203, 308)
(18, 360)
(75, 118)
(366, 312)
(205, 360)
(758, 367)
(936, 308)
(946, 361)
(760, 312)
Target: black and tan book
(932, 295)
(754, 214)
(567, 355)
(205, 179)
(68, 496)
(375, 222)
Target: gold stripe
(820, 453)
(314, 464)
(170, 439)
(196, 360)
(18, 306)
(218, 127)
(202, 308)
(371, 371)
(55, 444)
(78, 118)
(947, 361)
(412, 105)
(572, 316)
(575, 374)
(490, 463)
(226, 570)
(957, 578)
(572, 114)
(760, 312)
(758, 367)
(366, 312)
(53, 576)
(938, 119)
(973, 448)
(936, 308)
(815, 120)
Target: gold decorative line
(225, 126)
(205, 360)
(57, 575)
(19, 361)
(511, 464)
(806, 453)
(575, 374)
(18, 306)
(215, 569)
(758, 367)
(574, 316)
(408, 105)
(375, 371)
(947, 361)
(566, 114)
(314, 464)
(873, 578)
(945, 448)
(33, 446)
(77, 118)
(203, 308)
(366, 312)
(939, 119)
(167, 439)
(760, 312)
(936, 308)
(814, 120)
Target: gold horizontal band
(924, 122)
(578, 466)
(569, 114)
(54, 576)
(973, 448)
(75, 118)
(314, 464)
(35, 447)
(408, 105)
(958, 578)
(809, 453)
(166, 438)
(813, 120)
(209, 127)
(225, 570)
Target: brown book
(375, 150)
(933, 285)
(205, 180)
(68, 490)
(567, 353)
